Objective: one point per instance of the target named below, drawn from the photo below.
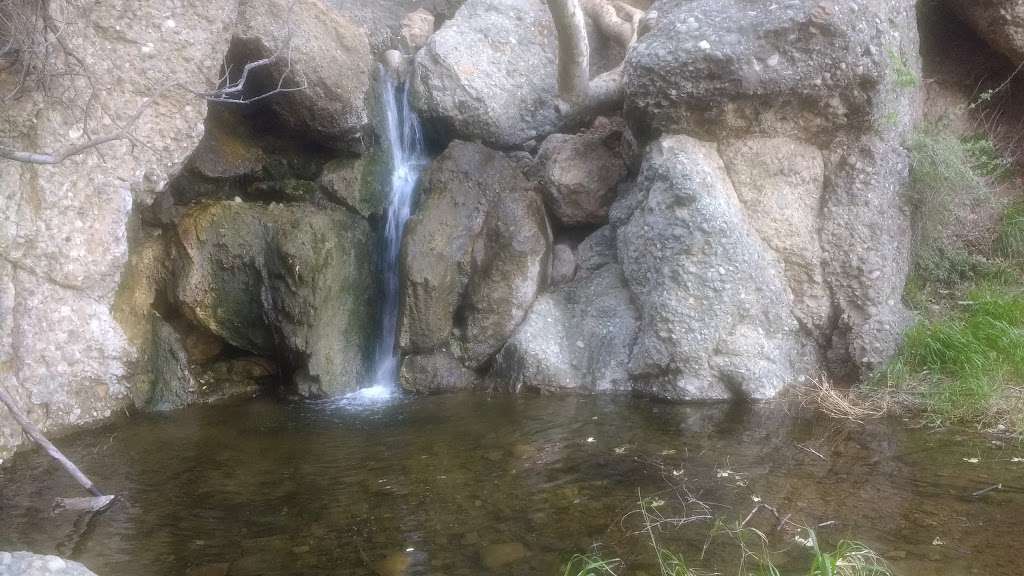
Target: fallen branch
(36, 435)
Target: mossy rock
(289, 282)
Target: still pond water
(473, 484)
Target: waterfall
(405, 146)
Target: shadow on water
(476, 484)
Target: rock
(435, 373)
(200, 345)
(66, 236)
(417, 26)
(716, 321)
(289, 282)
(577, 338)
(173, 384)
(474, 256)
(356, 183)
(719, 68)
(233, 377)
(780, 183)
(495, 556)
(28, 564)
(580, 173)
(228, 148)
(142, 282)
(328, 55)
(382, 19)
(866, 238)
(563, 264)
(489, 73)
(596, 250)
(999, 22)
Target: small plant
(848, 559)
(591, 565)
(942, 172)
(905, 77)
(1009, 243)
(986, 159)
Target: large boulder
(810, 103)
(999, 22)
(289, 282)
(489, 73)
(716, 319)
(316, 49)
(780, 183)
(718, 67)
(474, 256)
(577, 338)
(580, 173)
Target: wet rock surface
(474, 257)
(290, 282)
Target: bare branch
(123, 133)
(34, 29)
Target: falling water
(405, 145)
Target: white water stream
(405, 146)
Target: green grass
(943, 171)
(849, 558)
(591, 565)
(1009, 243)
(963, 361)
(756, 558)
(963, 366)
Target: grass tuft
(591, 565)
(963, 366)
(1009, 243)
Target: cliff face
(90, 321)
(64, 228)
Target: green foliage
(756, 558)
(905, 77)
(591, 565)
(1009, 243)
(942, 171)
(963, 362)
(848, 559)
(986, 160)
(953, 268)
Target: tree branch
(227, 91)
(580, 93)
(123, 133)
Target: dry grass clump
(856, 405)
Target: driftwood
(100, 501)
